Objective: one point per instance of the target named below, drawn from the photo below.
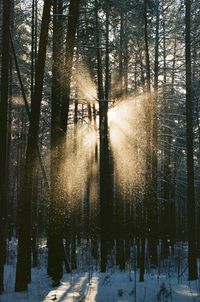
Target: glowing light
(76, 168)
(125, 127)
(112, 115)
(86, 88)
(90, 138)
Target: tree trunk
(23, 273)
(70, 41)
(3, 135)
(58, 136)
(107, 60)
(192, 251)
(121, 67)
(154, 234)
(55, 243)
(106, 234)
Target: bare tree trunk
(106, 233)
(148, 206)
(3, 135)
(154, 233)
(191, 216)
(58, 137)
(107, 60)
(126, 54)
(55, 251)
(121, 67)
(70, 41)
(23, 273)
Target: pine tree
(191, 216)
(23, 273)
(60, 111)
(4, 89)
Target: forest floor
(168, 284)
(103, 287)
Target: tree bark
(23, 273)
(60, 110)
(106, 233)
(3, 135)
(70, 41)
(191, 217)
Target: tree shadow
(72, 288)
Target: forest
(99, 150)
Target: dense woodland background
(99, 133)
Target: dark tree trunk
(150, 195)
(55, 243)
(34, 244)
(191, 216)
(32, 47)
(166, 161)
(59, 122)
(121, 67)
(70, 41)
(120, 230)
(23, 273)
(3, 135)
(148, 75)
(142, 258)
(154, 233)
(107, 60)
(126, 53)
(106, 233)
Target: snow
(102, 287)
(167, 284)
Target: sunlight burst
(125, 126)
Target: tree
(23, 273)
(148, 209)
(4, 134)
(59, 123)
(106, 203)
(191, 216)
(70, 40)
(55, 245)
(114, 187)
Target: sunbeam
(86, 88)
(126, 127)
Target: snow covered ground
(103, 287)
(161, 284)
